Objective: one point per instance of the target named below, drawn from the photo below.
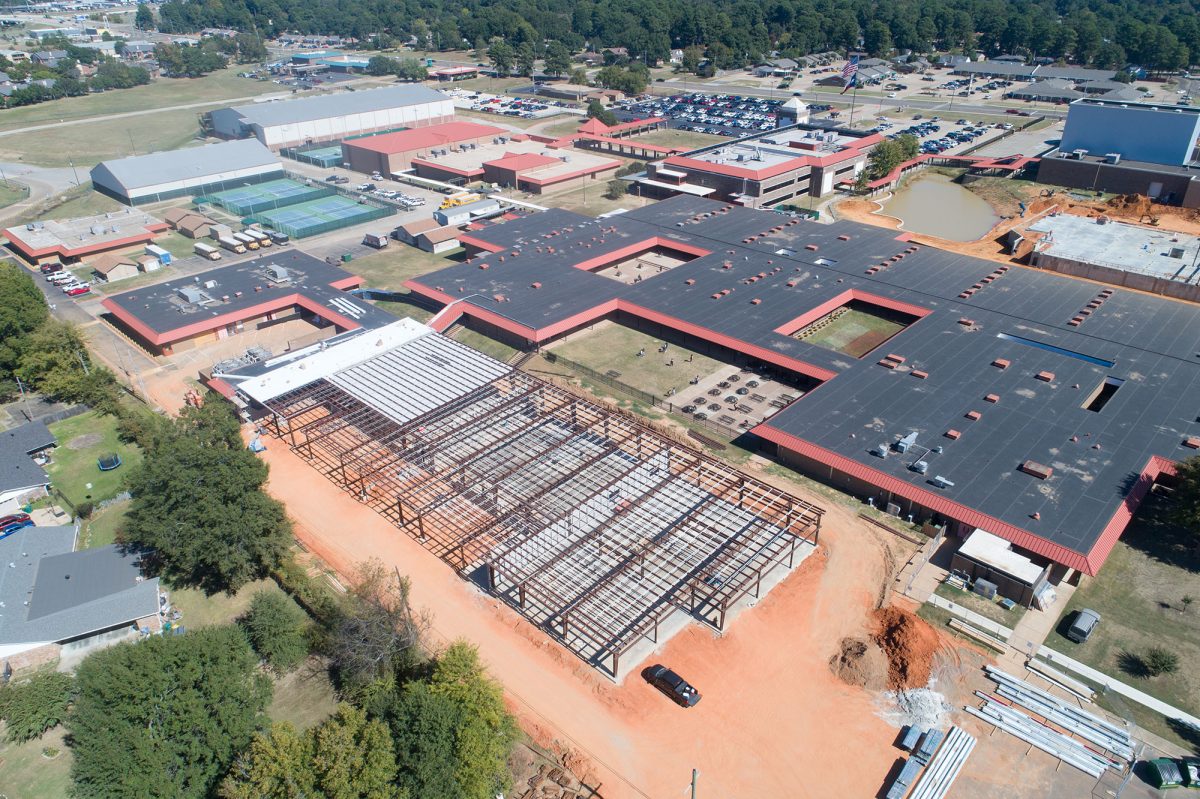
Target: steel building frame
(592, 525)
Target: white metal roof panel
(425, 373)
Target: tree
(877, 39)
(165, 716)
(557, 59)
(616, 189)
(379, 635)
(346, 757)
(23, 309)
(425, 729)
(380, 65)
(1160, 661)
(579, 76)
(411, 69)
(691, 58)
(487, 732)
(275, 627)
(502, 56)
(1186, 510)
(31, 708)
(526, 57)
(198, 507)
(250, 49)
(597, 111)
(143, 20)
(55, 361)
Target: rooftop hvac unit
(210, 284)
(942, 482)
(1079, 153)
(880, 451)
(278, 273)
(909, 440)
(97, 230)
(920, 467)
(1113, 158)
(741, 156)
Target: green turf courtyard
(853, 329)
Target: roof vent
(1036, 469)
(942, 482)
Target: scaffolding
(592, 525)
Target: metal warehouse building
(332, 116)
(176, 173)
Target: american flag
(850, 72)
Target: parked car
(78, 291)
(50, 268)
(680, 690)
(1083, 626)
(12, 518)
(12, 527)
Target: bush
(1160, 661)
(616, 189)
(33, 707)
(275, 627)
(84, 510)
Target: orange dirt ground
(774, 721)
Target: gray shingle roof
(50, 594)
(17, 469)
(190, 163)
(333, 105)
(25, 439)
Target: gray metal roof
(287, 112)
(1151, 343)
(50, 594)
(17, 469)
(191, 163)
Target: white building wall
(276, 136)
(199, 180)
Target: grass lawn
(488, 346)
(497, 119)
(101, 529)
(609, 347)
(391, 266)
(162, 93)
(78, 201)
(200, 610)
(404, 309)
(81, 440)
(689, 140)
(564, 128)
(11, 193)
(305, 697)
(984, 607)
(588, 200)
(854, 331)
(1138, 595)
(1005, 195)
(26, 774)
(104, 139)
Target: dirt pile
(861, 662)
(909, 644)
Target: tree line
(110, 73)
(185, 715)
(1162, 35)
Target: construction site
(606, 534)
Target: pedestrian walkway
(1115, 685)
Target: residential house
(22, 451)
(112, 267)
(48, 58)
(58, 602)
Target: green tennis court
(256, 197)
(321, 215)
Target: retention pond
(935, 205)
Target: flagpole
(853, 100)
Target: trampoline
(108, 462)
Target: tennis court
(321, 216)
(253, 198)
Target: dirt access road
(773, 722)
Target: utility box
(985, 588)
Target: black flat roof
(1020, 315)
(162, 310)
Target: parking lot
(715, 114)
(521, 107)
(939, 136)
